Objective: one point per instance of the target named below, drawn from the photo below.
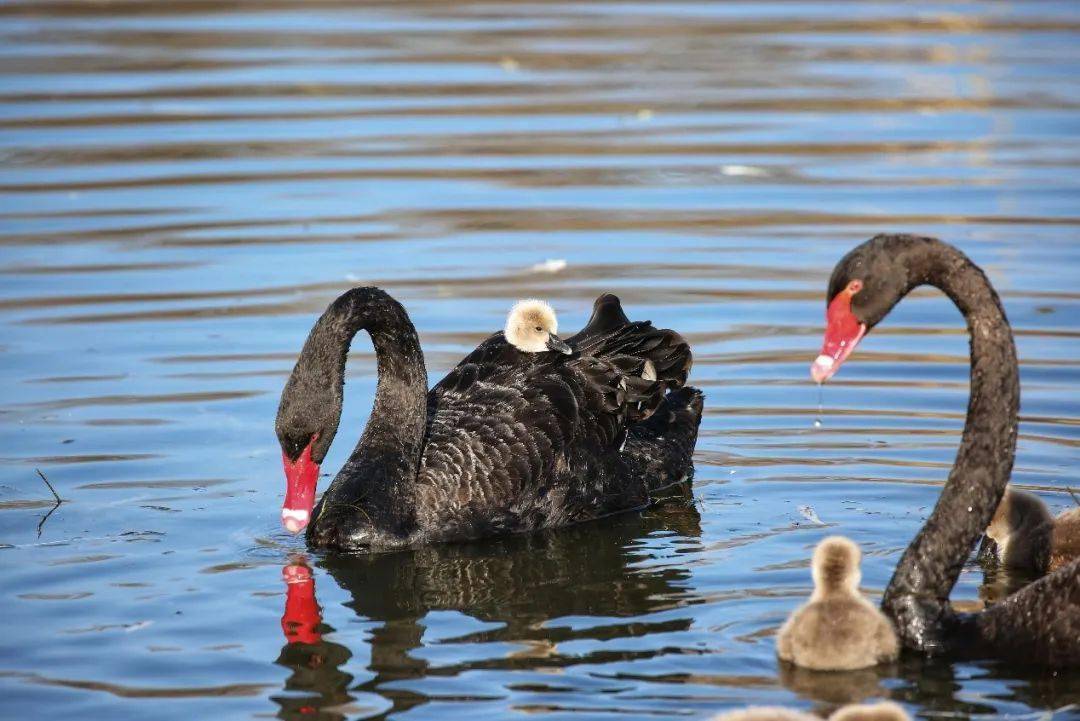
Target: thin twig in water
(52, 510)
(56, 495)
(1073, 494)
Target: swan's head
(835, 566)
(307, 421)
(864, 287)
(1019, 511)
(531, 327)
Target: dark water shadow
(520, 583)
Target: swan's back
(1040, 623)
(636, 347)
(501, 446)
(518, 441)
(641, 353)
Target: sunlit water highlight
(185, 185)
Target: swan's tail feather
(607, 315)
(641, 397)
(640, 349)
(651, 360)
(661, 448)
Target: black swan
(837, 629)
(1041, 622)
(1026, 536)
(510, 441)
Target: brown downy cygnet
(837, 629)
(884, 711)
(531, 327)
(1028, 537)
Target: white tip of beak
(294, 520)
(822, 368)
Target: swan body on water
(527, 432)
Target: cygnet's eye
(539, 329)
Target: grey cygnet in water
(884, 711)
(837, 629)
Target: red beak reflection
(302, 616)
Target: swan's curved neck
(917, 596)
(384, 463)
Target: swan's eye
(854, 287)
(539, 329)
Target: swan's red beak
(302, 617)
(301, 477)
(843, 331)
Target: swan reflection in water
(317, 682)
(521, 583)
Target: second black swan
(528, 431)
(1039, 623)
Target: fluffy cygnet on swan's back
(531, 326)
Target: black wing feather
(518, 441)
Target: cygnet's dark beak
(553, 343)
